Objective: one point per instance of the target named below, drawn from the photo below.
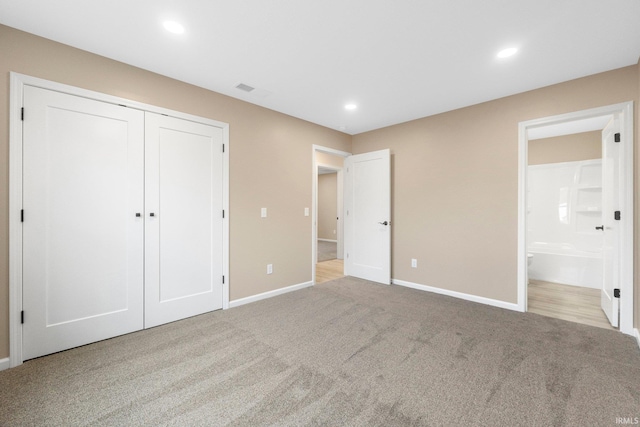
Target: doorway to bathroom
(575, 217)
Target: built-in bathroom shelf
(590, 188)
(588, 206)
(565, 204)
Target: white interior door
(368, 216)
(184, 224)
(82, 242)
(610, 204)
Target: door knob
(384, 223)
(600, 228)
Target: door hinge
(222, 213)
(616, 293)
(21, 215)
(22, 114)
(616, 215)
(22, 317)
(223, 280)
(223, 148)
(347, 254)
(616, 137)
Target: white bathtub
(566, 265)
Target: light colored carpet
(347, 352)
(327, 250)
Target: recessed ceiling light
(350, 106)
(505, 53)
(173, 27)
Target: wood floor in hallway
(329, 270)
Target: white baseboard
(265, 295)
(636, 333)
(328, 240)
(4, 363)
(468, 297)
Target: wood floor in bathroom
(572, 303)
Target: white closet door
(183, 201)
(83, 244)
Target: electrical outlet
(263, 212)
(306, 211)
(414, 263)
(269, 268)
(334, 231)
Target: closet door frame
(17, 84)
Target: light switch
(306, 211)
(263, 212)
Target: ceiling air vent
(245, 87)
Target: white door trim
(17, 83)
(314, 201)
(625, 110)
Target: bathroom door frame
(625, 113)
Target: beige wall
(270, 160)
(327, 206)
(327, 159)
(566, 148)
(455, 178)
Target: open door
(610, 227)
(367, 205)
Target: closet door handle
(152, 214)
(137, 214)
(600, 228)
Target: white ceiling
(397, 60)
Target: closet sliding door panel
(183, 201)
(83, 184)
